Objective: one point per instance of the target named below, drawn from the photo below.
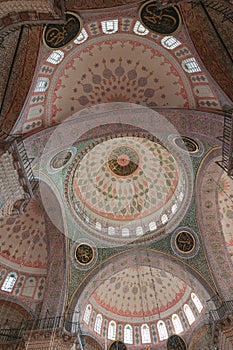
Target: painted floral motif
(225, 202)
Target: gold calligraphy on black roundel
(117, 345)
(175, 342)
(84, 254)
(187, 144)
(185, 241)
(166, 21)
(56, 36)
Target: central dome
(125, 185)
(125, 178)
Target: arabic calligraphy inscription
(185, 241)
(164, 21)
(56, 36)
(84, 254)
(117, 345)
(175, 342)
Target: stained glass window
(152, 226)
(110, 27)
(177, 324)
(42, 84)
(197, 302)
(56, 57)
(164, 218)
(139, 230)
(81, 37)
(125, 232)
(98, 323)
(162, 330)
(139, 29)
(145, 332)
(9, 282)
(87, 314)
(128, 334)
(189, 314)
(170, 43)
(112, 330)
(190, 65)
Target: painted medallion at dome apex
(124, 178)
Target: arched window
(139, 230)
(98, 225)
(197, 302)
(152, 226)
(174, 208)
(170, 43)
(111, 230)
(128, 334)
(42, 84)
(139, 29)
(56, 57)
(98, 323)
(190, 65)
(189, 314)
(177, 324)
(181, 196)
(81, 37)
(145, 332)
(112, 330)
(110, 27)
(9, 282)
(164, 218)
(87, 314)
(162, 330)
(125, 232)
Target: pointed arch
(145, 333)
(112, 330)
(98, 323)
(197, 302)
(162, 329)
(128, 334)
(189, 314)
(9, 282)
(177, 324)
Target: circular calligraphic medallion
(175, 342)
(60, 159)
(187, 144)
(56, 36)
(117, 345)
(123, 161)
(166, 21)
(185, 242)
(84, 253)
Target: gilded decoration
(185, 242)
(84, 254)
(165, 21)
(187, 144)
(56, 36)
(175, 342)
(117, 345)
(60, 159)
